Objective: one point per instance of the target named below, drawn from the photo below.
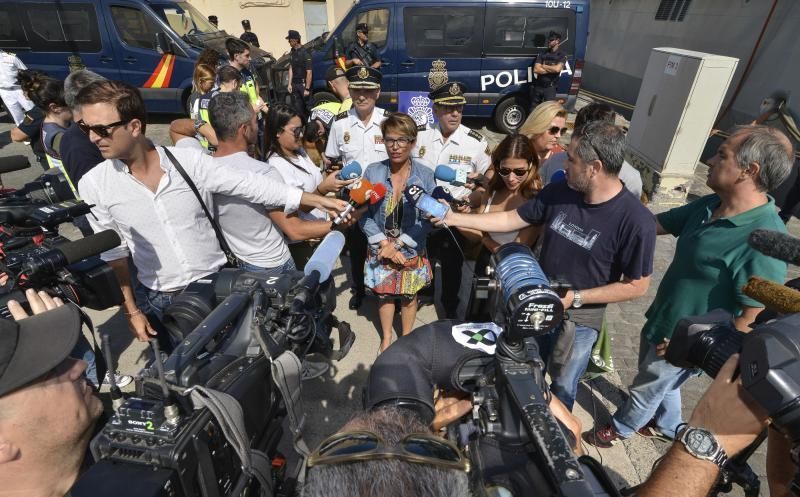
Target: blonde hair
(202, 72)
(402, 123)
(541, 117)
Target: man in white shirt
(139, 193)
(15, 101)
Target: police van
(152, 44)
(489, 45)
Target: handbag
(233, 261)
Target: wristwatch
(577, 301)
(702, 444)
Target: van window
(438, 32)
(524, 30)
(136, 28)
(11, 34)
(378, 23)
(64, 27)
(184, 19)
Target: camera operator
(712, 263)
(47, 410)
(598, 238)
(141, 193)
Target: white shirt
(246, 227)
(166, 232)
(307, 181)
(351, 140)
(464, 150)
(10, 65)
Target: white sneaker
(122, 380)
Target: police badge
(363, 73)
(422, 151)
(346, 137)
(454, 89)
(438, 74)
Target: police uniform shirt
(10, 65)
(550, 58)
(300, 60)
(368, 53)
(350, 140)
(465, 150)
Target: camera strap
(233, 261)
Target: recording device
(350, 171)
(458, 177)
(515, 444)
(243, 336)
(424, 202)
(442, 193)
(359, 195)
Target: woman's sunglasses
(520, 173)
(101, 130)
(556, 130)
(420, 448)
(297, 132)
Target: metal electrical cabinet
(680, 96)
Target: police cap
(451, 93)
(363, 77)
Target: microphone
(457, 177)
(358, 196)
(424, 202)
(324, 257)
(377, 194)
(558, 176)
(442, 193)
(775, 244)
(71, 252)
(775, 297)
(350, 171)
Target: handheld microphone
(377, 194)
(351, 171)
(324, 257)
(71, 252)
(558, 176)
(775, 244)
(358, 196)
(442, 193)
(775, 297)
(424, 202)
(457, 177)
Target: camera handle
(518, 363)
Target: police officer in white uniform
(14, 100)
(356, 136)
(454, 145)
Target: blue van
(152, 44)
(489, 45)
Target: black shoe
(355, 301)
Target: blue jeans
(565, 385)
(83, 350)
(270, 271)
(655, 392)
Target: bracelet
(135, 313)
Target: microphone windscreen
(413, 193)
(444, 173)
(378, 193)
(324, 257)
(89, 246)
(351, 171)
(360, 194)
(441, 193)
(558, 176)
(776, 244)
(775, 297)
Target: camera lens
(713, 347)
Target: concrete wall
(269, 19)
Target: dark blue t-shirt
(78, 153)
(591, 245)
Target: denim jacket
(414, 228)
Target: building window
(672, 10)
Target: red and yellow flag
(163, 73)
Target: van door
(57, 37)
(436, 45)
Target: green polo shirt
(712, 263)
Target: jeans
(655, 391)
(153, 303)
(83, 350)
(270, 271)
(565, 385)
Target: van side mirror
(163, 43)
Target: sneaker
(650, 430)
(123, 380)
(602, 438)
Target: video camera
(207, 422)
(516, 445)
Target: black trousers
(357, 245)
(541, 94)
(443, 248)
(299, 102)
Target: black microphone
(777, 245)
(71, 252)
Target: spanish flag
(163, 73)
(338, 58)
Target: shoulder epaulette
(341, 115)
(422, 127)
(387, 113)
(474, 134)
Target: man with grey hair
(78, 153)
(597, 238)
(712, 263)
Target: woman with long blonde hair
(546, 124)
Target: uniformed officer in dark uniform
(362, 52)
(548, 67)
(248, 35)
(214, 20)
(299, 74)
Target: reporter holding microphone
(397, 265)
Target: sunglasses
(520, 173)
(556, 130)
(419, 448)
(101, 130)
(297, 132)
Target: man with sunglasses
(548, 67)
(596, 237)
(141, 193)
(454, 145)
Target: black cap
(213, 19)
(362, 26)
(451, 93)
(246, 23)
(554, 36)
(293, 35)
(32, 347)
(363, 77)
(334, 72)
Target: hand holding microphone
(424, 202)
(346, 178)
(459, 177)
(358, 196)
